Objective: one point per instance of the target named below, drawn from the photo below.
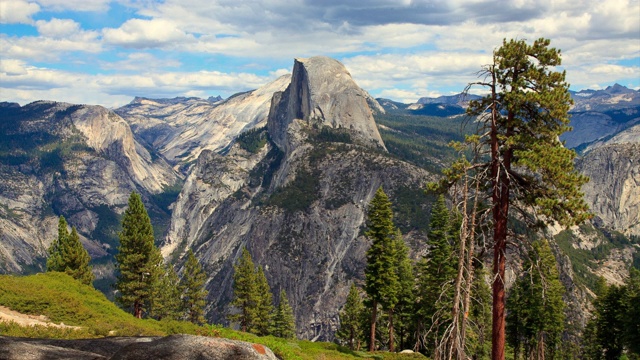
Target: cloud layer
(105, 51)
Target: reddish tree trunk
(372, 334)
(500, 199)
(137, 309)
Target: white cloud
(42, 48)
(17, 11)
(142, 34)
(58, 28)
(23, 83)
(75, 5)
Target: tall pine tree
(194, 294)
(351, 319)
(436, 273)
(528, 167)
(535, 319)
(67, 254)
(284, 322)
(139, 262)
(166, 302)
(381, 277)
(402, 324)
(264, 308)
(245, 297)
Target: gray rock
(15, 349)
(186, 347)
(322, 93)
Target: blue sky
(106, 52)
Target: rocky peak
(322, 93)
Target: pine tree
(245, 293)
(614, 328)
(194, 294)
(166, 300)
(54, 261)
(76, 261)
(351, 319)
(528, 167)
(284, 322)
(435, 277)
(264, 308)
(480, 316)
(380, 276)
(403, 311)
(139, 262)
(67, 254)
(536, 309)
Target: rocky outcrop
(322, 93)
(298, 204)
(174, 347)
(76, 160)
(180, 129)
(613, 192)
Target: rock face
(613, 192)
(178, 347)
(322, 93)
(297, 204)
(79, 161)
(181, 128)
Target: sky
(107, 52)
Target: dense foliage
(193, 293)
(66, 254)
(139, 262)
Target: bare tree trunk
(470, 270)
(372, 333)
(454, 337)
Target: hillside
(57, 298)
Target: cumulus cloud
(75, 5)
(17, 11)
(23, 83)
(142, 34)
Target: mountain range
(286, 171)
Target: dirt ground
(8, 315)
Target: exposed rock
(613, 192)
(80, 161)
(178, 347)
(184, 347)
(322, 93)
(299, 210)
(180, 129)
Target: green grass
(62, 299)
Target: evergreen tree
(479, 341)
(351, 319)
(166, 301)
(194, 294)
(528, 167)
(436, 273)
(402, 321)
(536, 309)
(264, 308)
(614, 328)
(138, 262)
(284, 322)
(54, 261)
(380, 276)
(76, 260)
(67, 254)
(245, 292)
